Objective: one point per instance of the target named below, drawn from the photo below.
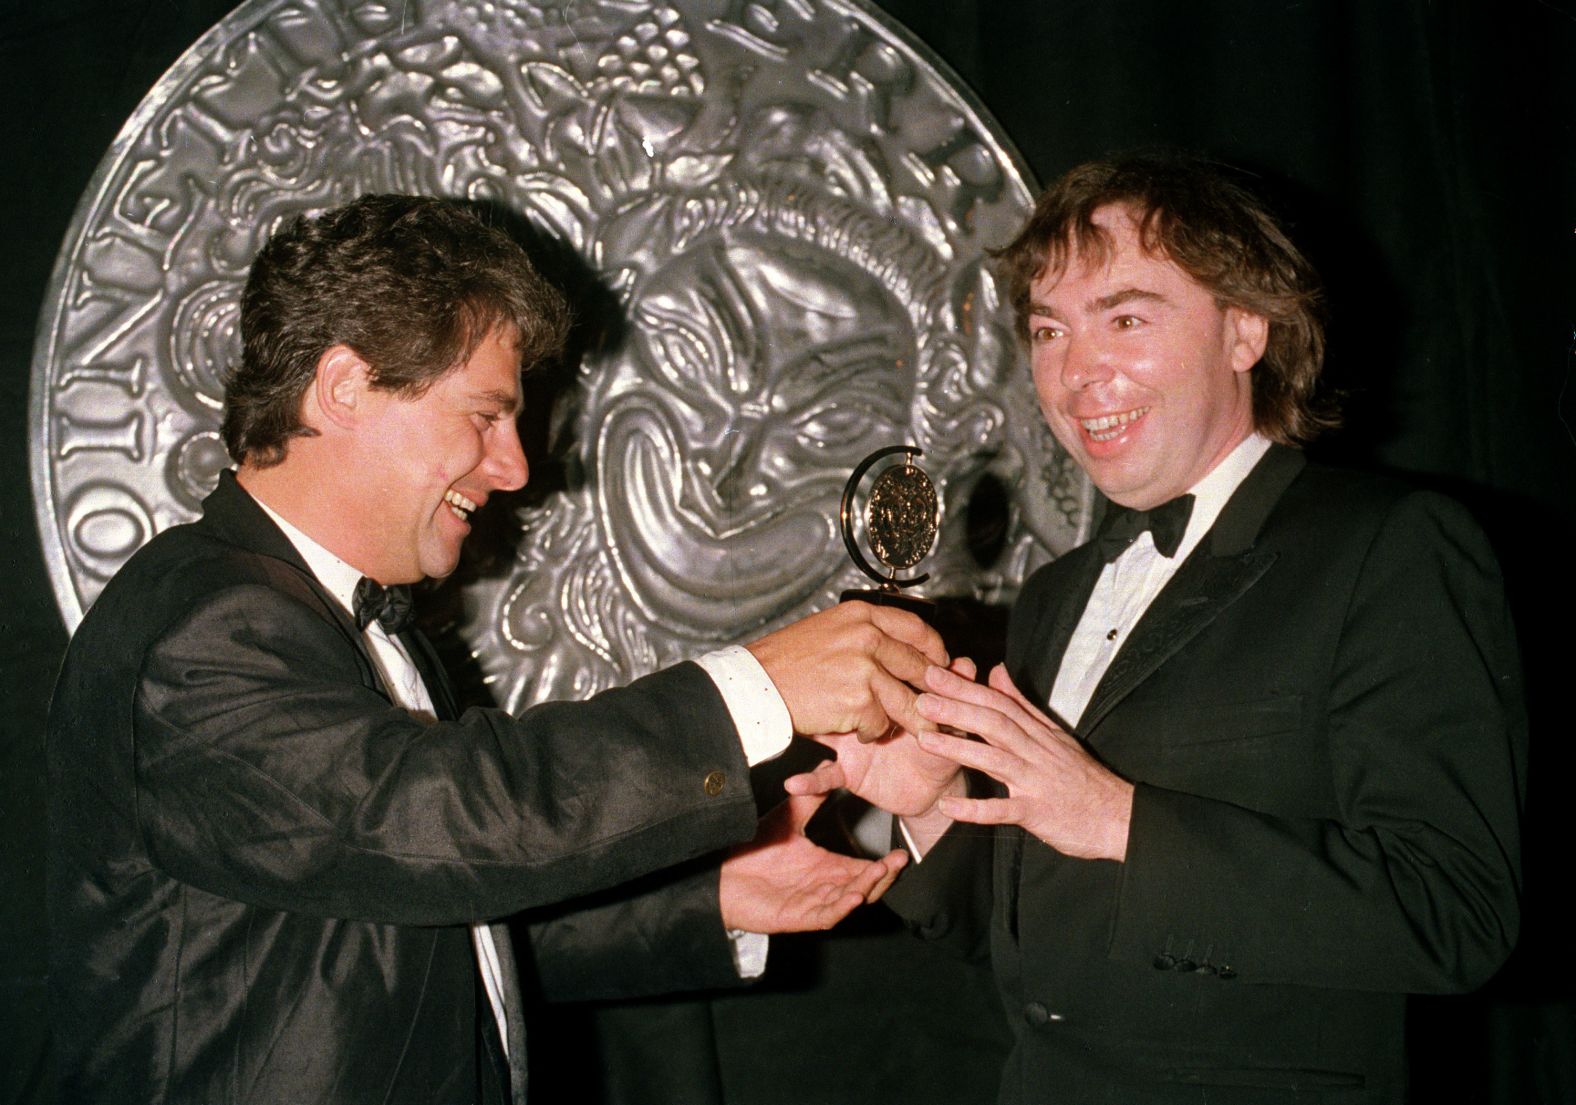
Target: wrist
(1120, 823)
(924, 829)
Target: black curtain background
(1425, 153)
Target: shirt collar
(1211, 493)
(334, 574)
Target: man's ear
(1249, 334)
(339, 389)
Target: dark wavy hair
(1191, 212)
(412, 283)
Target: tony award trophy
(901, 513)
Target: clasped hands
(1055, 789)
(848, 670)
(847, 676)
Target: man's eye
(1042, 334)
(1128, 322)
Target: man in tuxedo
(1255, 759)
(277, 847)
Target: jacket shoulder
(1363, 505)
(188, 566)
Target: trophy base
(967, 626)
(924, 608)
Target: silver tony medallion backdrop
(784, 207)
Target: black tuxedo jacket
(262, 871)
(1322, 713)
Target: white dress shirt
(758, 711)
(1130, 583)
(1126, 588)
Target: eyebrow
(506, 401)
(1124, 295)
(1103, 303)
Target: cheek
(1048, 389)
(1045, 376)
(460, 453)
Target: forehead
(1120, 260)
(492, 367)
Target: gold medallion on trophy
(900, 520)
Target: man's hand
(1056, 789)
(846, 670)
(893, 773)
(781, 882)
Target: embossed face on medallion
(789, 203)
(763, 370)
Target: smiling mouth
(1109, 426)
(459, 505)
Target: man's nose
(1085, 361)
(506, 464)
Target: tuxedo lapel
(1222, 569)
(441, 691)
(425, 657)
(1196, 595)
(1054, 628)
(232, 515)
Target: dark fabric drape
(1425, 153)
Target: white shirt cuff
(758, 711)
(749, 952)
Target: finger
(893, 862)
(911, 630)
(802, 807)
(830, 914)
(999, 765)
(994, 717)
(824, 778)
(898, 701)
(983, 811)
(949, 685)
(964, 668)
(872, 875)
(1003, 682)
(987, 722)
(903, 660)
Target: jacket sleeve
(947, 897)
(1412, 884)
(267, 772)
(661, 934)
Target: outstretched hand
(849, 669)
(893, 773)
(782, 882)
(1055, 788)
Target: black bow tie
(1121, 527)
(389, 606)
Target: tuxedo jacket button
(1185, 965)
(714, 782)
(1164, 962)
(1226, 973)
(1035, 1013)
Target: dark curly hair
(412, 283)
(1191, 212)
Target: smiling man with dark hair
(278, 849)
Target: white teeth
(1108, 426)
(459, 504)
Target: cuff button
(714, 782)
